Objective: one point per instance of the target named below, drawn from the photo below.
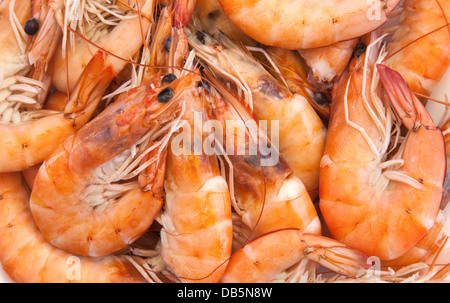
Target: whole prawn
(28, 258)
(110, 33)
(375, 196)
(270, 101)
(196, 234)
(268, 195)
(86, 198)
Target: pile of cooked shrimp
(223, 141)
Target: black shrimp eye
(31, 27)
(360, 49)
(165, 95)
(320, 98)
(201, 37)
(169, 78)
(167, 43)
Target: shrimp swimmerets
(307, 24)
(329, 62)
(196, 235)
(378, 196)
(28, 258)
(86, 198)
(300, 133)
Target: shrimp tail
(89, 89)
(405, 103)
(183, 12)
(335, 255)
(152, 178)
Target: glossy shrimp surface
(268, 195)
(92, 209)
(22, 245)
(379, 203)
(306, 24)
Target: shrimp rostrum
(87, 197)
(380, 192)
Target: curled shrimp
(98, 206)
(28, 258)
(270, 101)
(111, 33)
(307, 24)
(269, 256)
(268, 195)
(29, 140)
(376, 195)
(419, 47)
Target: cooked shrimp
(196, 234)
(268, 195)
(29, 140)
(270, 255)
(270, 101)
(28, 258)
(112, 34)
(307, 24)
(378, 196)
(14, 14)
(420, 46)
(86, 197)
(22, 87)
(329, 62)
(197, 229)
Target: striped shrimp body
(376, 195)
(196, 238)
(296, 75)
(86, 197)
(307, 24)
(104, 23)
(28, 258)
(268, 195)
(419, 48)
(268, 257)
(270, 101)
